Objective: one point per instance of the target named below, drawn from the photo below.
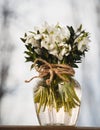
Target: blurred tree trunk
(98, 30)
(6, 48)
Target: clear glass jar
(51, 117)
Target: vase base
(56, 124)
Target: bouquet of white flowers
(54, 51)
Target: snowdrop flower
(54, 52)
(59, 50)
(64, 51)
(46, 28)
(37, 36)
(68, 49)
(83, 44)
(64, 33)
(45, 42)
(30, 40)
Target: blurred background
(19, 16)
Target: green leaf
(71, 30)
(29, 47)
(25, 35)
(32, 66)
(74, 65)
(28, 59)
(80, 28)
(23, 40)
(27, 52)
(38, 32)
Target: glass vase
(50, 116)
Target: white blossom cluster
(53, 38)
(82, 43)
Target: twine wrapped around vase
(51, 70)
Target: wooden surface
(47, 128)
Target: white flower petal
(29, 39)
(60, 56)
(54, 52)
(63, 52)
(82, 45)
(38, 36)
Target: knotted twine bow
(51, 70)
